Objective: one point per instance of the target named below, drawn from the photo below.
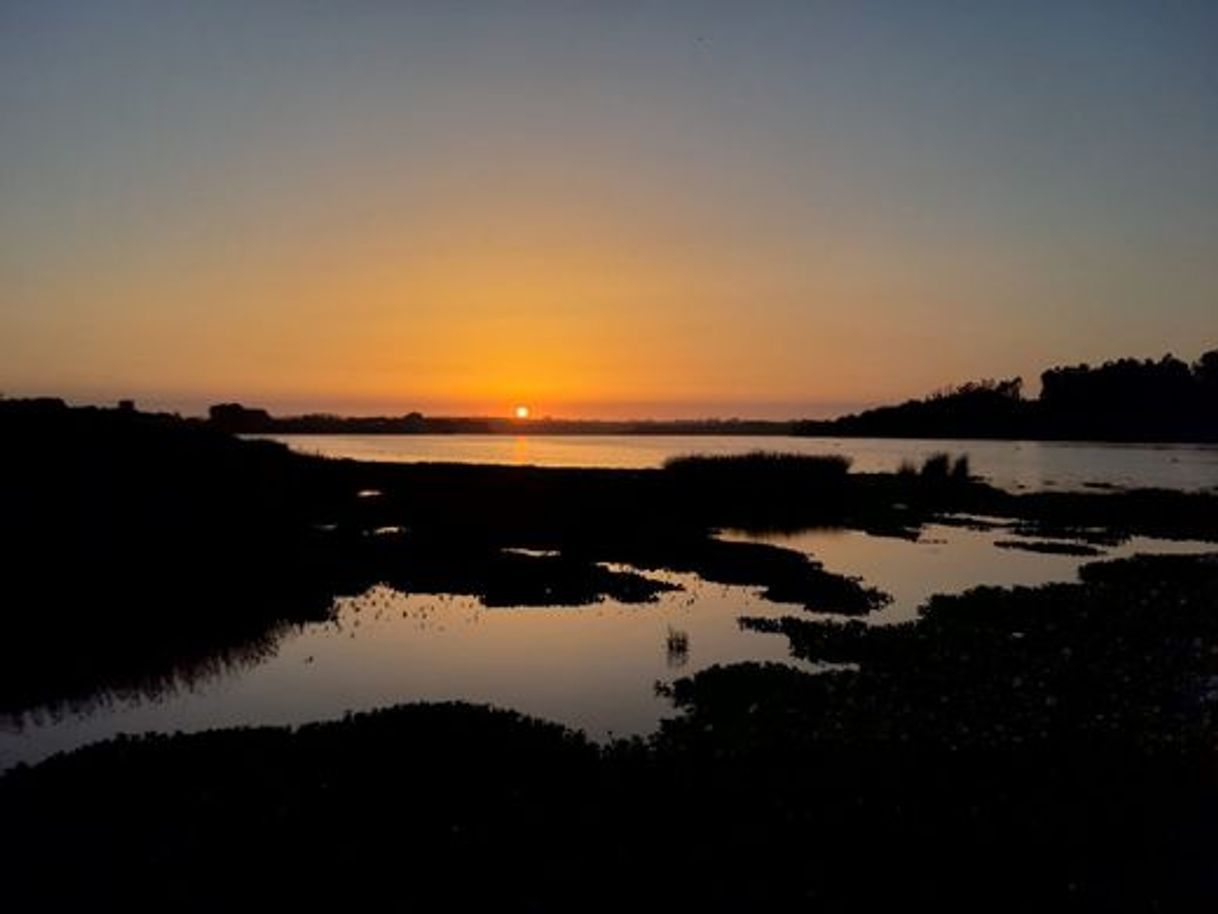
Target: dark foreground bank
(1027, 749)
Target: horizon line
(193, 406)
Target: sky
(609, 209)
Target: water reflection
(677, 645)
(1013, 465)
(951, 558)
(182, 675)
(594, 667)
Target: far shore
(1128, 401)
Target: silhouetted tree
(1122, 400)
(1129, 399)
(233, 417)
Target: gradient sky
(598, 209)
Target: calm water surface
(1013, 465)
(591, 667)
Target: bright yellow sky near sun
(457, 307)
(472, 304)
(601, 304)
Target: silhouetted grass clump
(760, 486)
(767, 465)
(935, 468)
(940, 468)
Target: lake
(596, 667)
(1012, 465)
(591, 667)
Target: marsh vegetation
(1056, 740)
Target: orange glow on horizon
(458, 208)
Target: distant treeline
(1123, 400)
(233, 417)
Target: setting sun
(521, 412)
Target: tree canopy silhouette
(1122, 400)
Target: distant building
(126, 406)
